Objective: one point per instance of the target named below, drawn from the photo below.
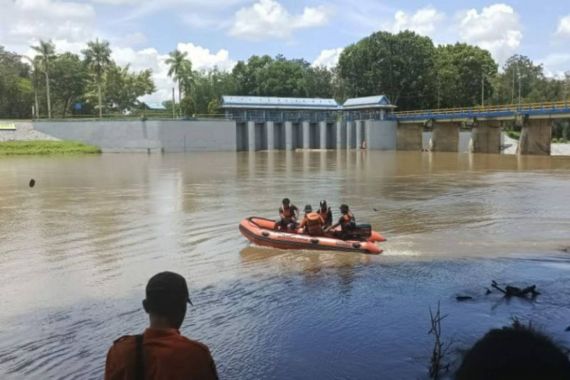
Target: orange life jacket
(314, 223)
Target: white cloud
(328, 58)
(424, 21)
(269, 19)
(150, 58)
(24, 22)
(564, 27)
(496, 28)
(556, 64)
(203, 58)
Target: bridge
(501, 112)
(535, 120)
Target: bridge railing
(536, 108)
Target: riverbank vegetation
(410, 69)
(41, 147)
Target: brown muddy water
(77, 249)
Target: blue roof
(377, 101)
(269, 102)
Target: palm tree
(46, 51)
(98, 59)
(180, 69)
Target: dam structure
(259, 123)
(267, 123)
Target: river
(78, 248)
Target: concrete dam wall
(146, 136)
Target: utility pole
(519, 72)
(483, 90)
(513, 88)
(438, 92)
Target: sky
(221, 32)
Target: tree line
(410, 69)
(58, 85)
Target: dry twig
(440, 348)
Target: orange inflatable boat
(262, 231)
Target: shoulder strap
(139, 363)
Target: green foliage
(266, 76)
(98, 59)
(68, 81)
(460, 70)
(46, 53)
(123, 88)
(187, 106)
(181, 71)
(406, 67)
(41, 147)
(524, 81)
(214, 107)
(401, 66)
(513, 134)
(16, 93)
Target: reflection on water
(78, 248)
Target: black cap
(167, 285)
(285, 201)
(308, 208)
(323, 204)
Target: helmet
(308, 208)
(343, 208)
(286, 201)
(323, 204)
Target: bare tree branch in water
(440, 348)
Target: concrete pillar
(323, 134)
(339, 135)
(270, 128)
(306, 135)
(486, 137)
(349, 126)
(251, 135)
(536, 137)
(380, 134)
(444, 138)
(358, 126)
(288, 135)
(409, 137)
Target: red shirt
(167, 355)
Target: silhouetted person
(326, 213)
(161, 352)
(514, 353)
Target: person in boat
(312, 223)
(347, 222)
(326, 214)
(288, 213)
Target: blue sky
(220, 32)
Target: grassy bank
(41, 147)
